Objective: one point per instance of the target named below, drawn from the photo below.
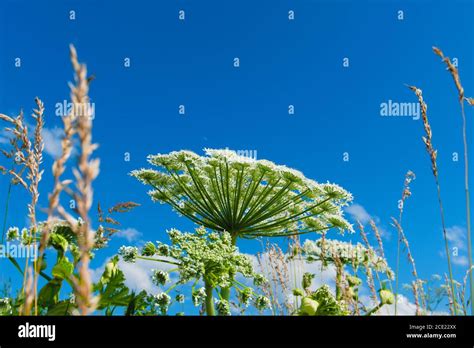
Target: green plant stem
(225, 292)
(375, 309)
(397, 275)
(450, 270)
(397, 272)
(158, 260)
(209, 299)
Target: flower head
(262, 302)
(245, 296)
(223, 307)
(13, 233)
(199, 296)
(163, 301)
(224, 191)
(5, 306)
(160, 277)
(179, 298)
(129, 254)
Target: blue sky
(282, 63)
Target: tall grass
(457, 81)
(409, 177)
(27, 156)
(427, 139)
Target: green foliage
(321, 302)
(112, 289)
(5, 306)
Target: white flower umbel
(245, 197)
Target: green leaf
(63, 269)
(110, 270)
(115, 293)
(49, 294)
(61, 308)
(137, 303)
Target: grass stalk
(434, 168)
(457, 81)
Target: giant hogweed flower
(245, 197)
(205, 256)
(201, 255)
(334, 251)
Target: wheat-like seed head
(427, 139)
(453, 71)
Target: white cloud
(138, 275)
(457, 237)
(52, 141)
(130, 234)
(358, 212)
(460, 260)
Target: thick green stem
(225, 292)
(209, 299)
